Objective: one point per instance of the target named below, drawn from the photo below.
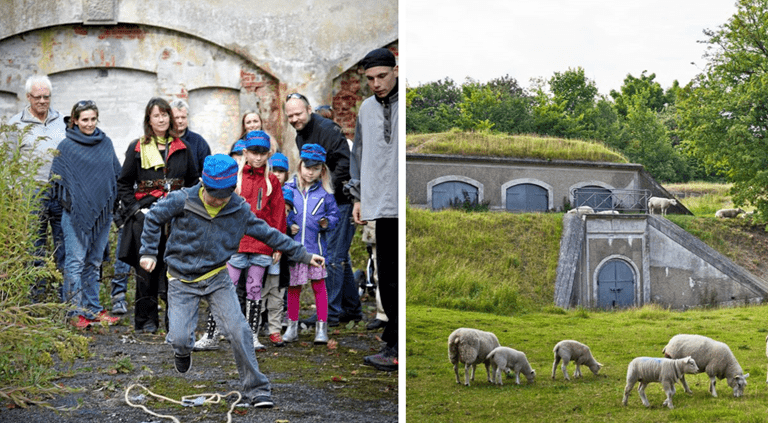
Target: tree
(477, 103)
(656, 99)
(724, 112)
(433, 107)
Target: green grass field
(615, 339)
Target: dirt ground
(309, 383)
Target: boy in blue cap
(207, 222)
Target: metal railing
(603, 199)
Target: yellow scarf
(150, 154)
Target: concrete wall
(223, 57)
(670, 267)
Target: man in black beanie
(373, 185)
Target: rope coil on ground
(187, 401)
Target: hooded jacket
(270, 208)
(199, 243)
(327, 133)
(309, 208)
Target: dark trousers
(150, 286)
(387, 267)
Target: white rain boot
(210, 340)
(321, 332)
(253, 315)
(292, 333)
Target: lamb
(504, 359)
(662, 204)
(471, 347)
(580, 354)
(712, 357)
(663, 370)
(728, 213)
(608, 212)
(582, 210)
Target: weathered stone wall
(223, 57)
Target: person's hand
(317, 261)
(147, 264)
(356, 214)
(294, 229)
(276, 257)
(323, 223)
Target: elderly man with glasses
(44, 128)
(311, 128)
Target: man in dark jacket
(311, 128)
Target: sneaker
(346, 317)
(262, 401)
(276, 339)
(120, 307)
(149, 328)
(207, 344)
(182, 362)
(376, 324)
(83, 322)
(104, 317)
(386, 360)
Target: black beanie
(379, 57)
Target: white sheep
(582, 210)
(471, 347)
(580, 354)
(728, 213)
(609, 212)
(712, 357)
(663, 370)
(662, 204)
(504, 359)
(766, 354)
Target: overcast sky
(486, 39)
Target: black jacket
(325, 132)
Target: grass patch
(432, 394)
(493, 262)
(503, 145)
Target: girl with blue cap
(316, 214)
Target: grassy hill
(502, 145)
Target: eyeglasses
(84, 104)
(40, 97)
(323, 107)
(296, 95)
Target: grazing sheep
(728, 213)
(608, 212)
(582, 210)
(663, 370)
(662, 204)
(471, 347)
(580, 354)
(504, 359)
(712, 357)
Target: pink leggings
(321, 300)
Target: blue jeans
(343, 296)
(219, 291)
(122, 271)
(81, 268)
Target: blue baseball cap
(238, 147)
(288, 195)
(219, 173)
(257, 141)
(278, 161)
(312, 154)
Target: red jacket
(270, 208)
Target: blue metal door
(615, 285)
(528, 198)
(445, 193)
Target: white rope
(187, 400)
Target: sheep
(608, 212)
(663, 370)
(471, 347)
(580, 354)
(766, 354)
(728, 213)
(504, 359)
(658, 203)
(582, 210)
(712, 357)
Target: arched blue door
(528, 198)
(598, 198)
(615, 285)
(452, 191)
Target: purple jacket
(310, 208)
